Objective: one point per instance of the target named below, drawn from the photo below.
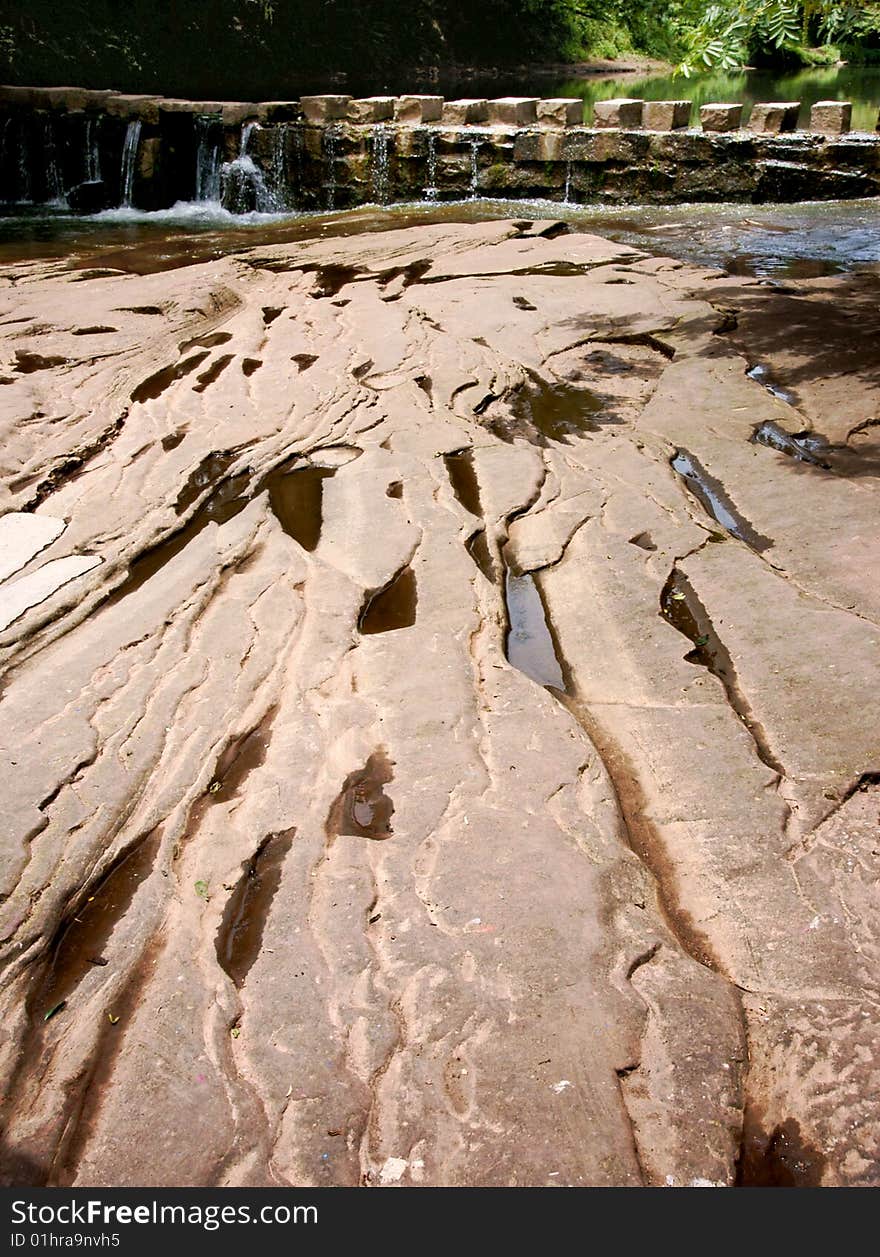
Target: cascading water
(243, 187)
(54, 187)
(330, 154)
(278, 169)
(379, 164)
(24, 168)
(431, 189)
(567, 196)
(93, 150)
(208, 160)
(129, 159)
(475, 167)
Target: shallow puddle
(477, 546)
(363, 809)
(463, 478)
(529, 645)
(209, 341)
(81, 946)
(296, 498)
(214, 371)
(762, 374)
(239, 759)
(155, 385)
(710, 493)
(545, 411)
(803, 446)
(211, 469)
(393, 607)
(240, 936)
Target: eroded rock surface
(303, 882)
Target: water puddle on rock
(239, 759)
(81, 946)
(477, 546)
(240, 936)
(155, 385)
(296, 499)
(529, 644)
(209, 341)
(710, 493)
(250, 365)
(463, 478)
(211, 469)
(362, 809)
(393, 607)
(214, 371)
(547, 412)
(762, 374)
(802, 446)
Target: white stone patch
(393, 1170)
(19, 596)
(23, 535)
(560, 1086)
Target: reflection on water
(857, 84)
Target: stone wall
(102, 149)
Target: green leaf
(202, 889)
(56, 1009)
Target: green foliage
(732, 32)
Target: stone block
(666, 115)
(418, 109)
(458, 113)
(624, 114)
(831, 117)
(372, 109)
(716, 117)
(513, 111)
(317, 109)
(144, 107)
(236, 112)
(540, 146)
(561, 111)
(282, 110)
(771, 117)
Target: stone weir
(99, 149)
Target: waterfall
(278, 169)
(330, 151)
(431, 189)
(475, 168)
(129, 158)
(93, 151)
(567, 197)
(379, 164)
(54, 187)
(243, 187)
(24, 172)
(207, 160)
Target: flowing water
(129, 161)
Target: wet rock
(666, 115)
(91, 197)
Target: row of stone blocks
(827, 116)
